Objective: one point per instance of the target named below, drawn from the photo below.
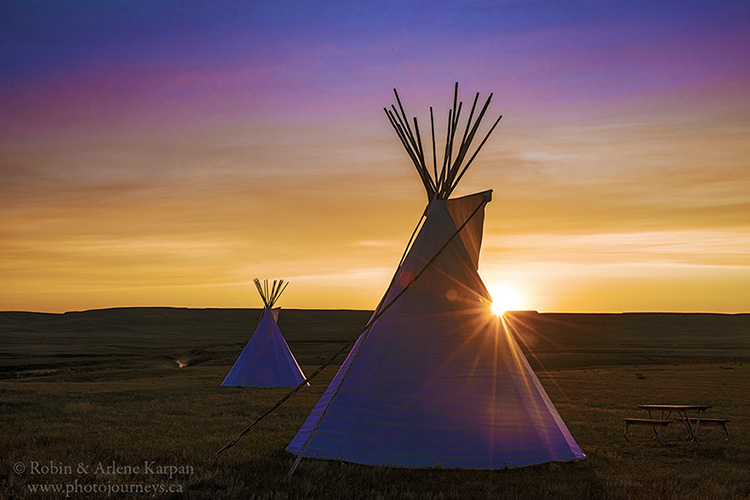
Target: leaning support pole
(379, 313)
(468, 163)
(270, 296)
(283, 399)
(440, 182)
(453, 171)
(324, 365)
(446, 155)
(402, 134)
(260, 291)
(434, 155)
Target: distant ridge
(555, 340)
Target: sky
(160, 153)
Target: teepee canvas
(437, 379)
(266, 360)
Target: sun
(505, 298)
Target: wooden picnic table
(665, 411)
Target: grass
(104, 387)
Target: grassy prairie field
(94, 403)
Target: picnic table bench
(711, 421)
(658, 425)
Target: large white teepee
(437, 379)
(266, 360)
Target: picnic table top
(674, 407)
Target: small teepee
(266, 360)
(436, 379)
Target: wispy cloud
(712, 248)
